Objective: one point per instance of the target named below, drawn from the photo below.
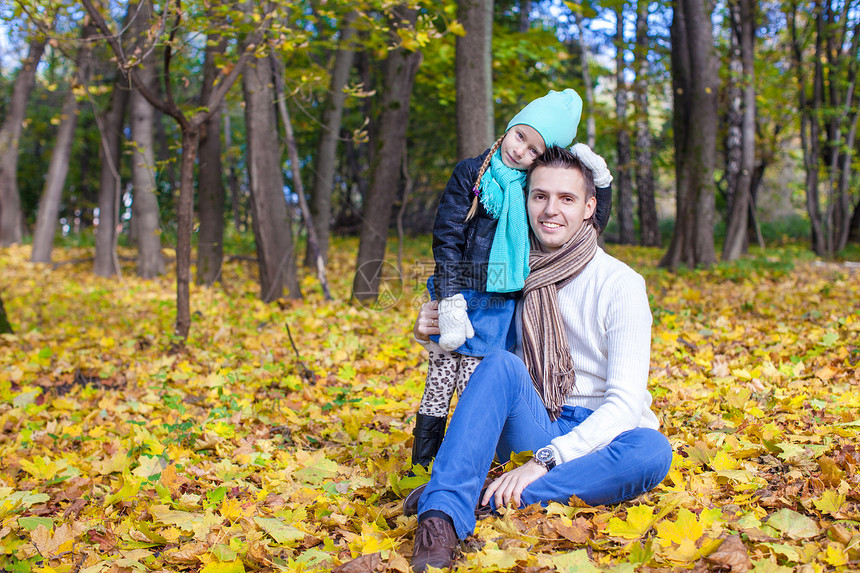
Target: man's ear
(590, 206)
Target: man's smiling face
(557, 205)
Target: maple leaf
(574, 562)
(835, 555)
(50, 544)
(360, 564)
(149, 466)
(830, 472)
(579, 530)
(491, 557)
(687, 539)
(731, 554)
(639, 520)
(235, 566)
(44, 468)
(31, 523)
(129, 489)
(187, 553)
(13, 501)
(318, 472)
(279, 531)
(792, 524)
(829, 502)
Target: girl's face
(521, 145)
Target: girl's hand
(601, 174)
(509, 486)
(427, 322)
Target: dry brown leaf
(731, 555)
(361, 564)
(577, 532)
(75, 508)
(187, 553)
(830, 472)
(107, 540)
(49, 545)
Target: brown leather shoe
(436, 544)
(410, 503)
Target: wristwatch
(545, 457)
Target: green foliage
(525, 66)
(305, 36)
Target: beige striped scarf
(545, 346)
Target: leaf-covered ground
(125, 450)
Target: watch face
(545, 455)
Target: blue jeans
(500, 412)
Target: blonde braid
(481, 171)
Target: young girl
(481, 249)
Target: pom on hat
(554, 116)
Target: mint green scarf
(503, 196)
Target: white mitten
(602, 176)
(454, 324)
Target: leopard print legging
(447, 372)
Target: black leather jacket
(461, 249)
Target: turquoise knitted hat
(555, 116)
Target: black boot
(428, 432)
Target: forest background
(213, 222)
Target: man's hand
(427, 322)
(510, 485)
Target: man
(575, 393)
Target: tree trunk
(854, 226)
(474, 78)
(168, 175)
(810, 129)
(296, 174)
(400, 69)
(588, 112)
(145, 213)
(737, 230)
(695, 83)
(847, 117)
(210, 242)
(185, 222)
(190, 129)
(110, 125)
(324, 164)
(232, 176)
(5, 327)
(734, 111)
(11, 226)
(49, 204)
(623, 175)
(525, 9)
(846, 218)
(276, 260)
(649, 225)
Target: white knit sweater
(608, 321)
